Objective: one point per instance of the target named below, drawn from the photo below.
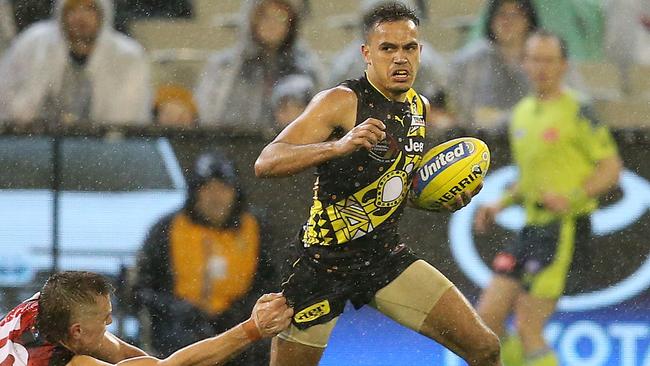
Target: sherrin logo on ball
(448, 169)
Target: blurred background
(106, 105)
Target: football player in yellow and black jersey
(566, 160)
(366, 138)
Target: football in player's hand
(448, 169)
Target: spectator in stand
(235, 88)
(202, 267)
(174, 107)
(7, 26)
(579, 22)
(290, 97)
(75, 67)
(487, 78)
(627, 37)
(349, 63)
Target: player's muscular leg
(287, 353)
(497, 302)
(453, 323)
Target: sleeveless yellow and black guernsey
(359, 198)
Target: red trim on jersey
(9, 361)
(16, 327)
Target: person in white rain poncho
(235, 88)
(627, 35)
(75, 67)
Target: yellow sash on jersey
(352, 217)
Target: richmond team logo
(386, 151)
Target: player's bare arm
(603, 179)
(307, 141)
(113, 349)
(486, 215)
(269, 317)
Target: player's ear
(74, 331)
(365, 52)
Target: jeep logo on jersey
(313, 312)
(616, 217)
(447, 157)
(414, 146)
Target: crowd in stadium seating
(68, 69)
(237, 83)
(75, 67)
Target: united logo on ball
(448, 169)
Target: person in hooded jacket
(203, 266)
(290, 98)
(235, 87)
(75, 67)
(580, 22)
(487, 77)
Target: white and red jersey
(20, 343)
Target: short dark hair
(390, 11)
(62, 295)
(525, 5)
(543, 33)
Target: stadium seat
(449, 21)
(160, 34)
(639, 82)
(443, 9)
(624, 113)
(444, 39)
(207, 10)
(603, 80)
(178, 66)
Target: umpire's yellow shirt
(556, 145)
